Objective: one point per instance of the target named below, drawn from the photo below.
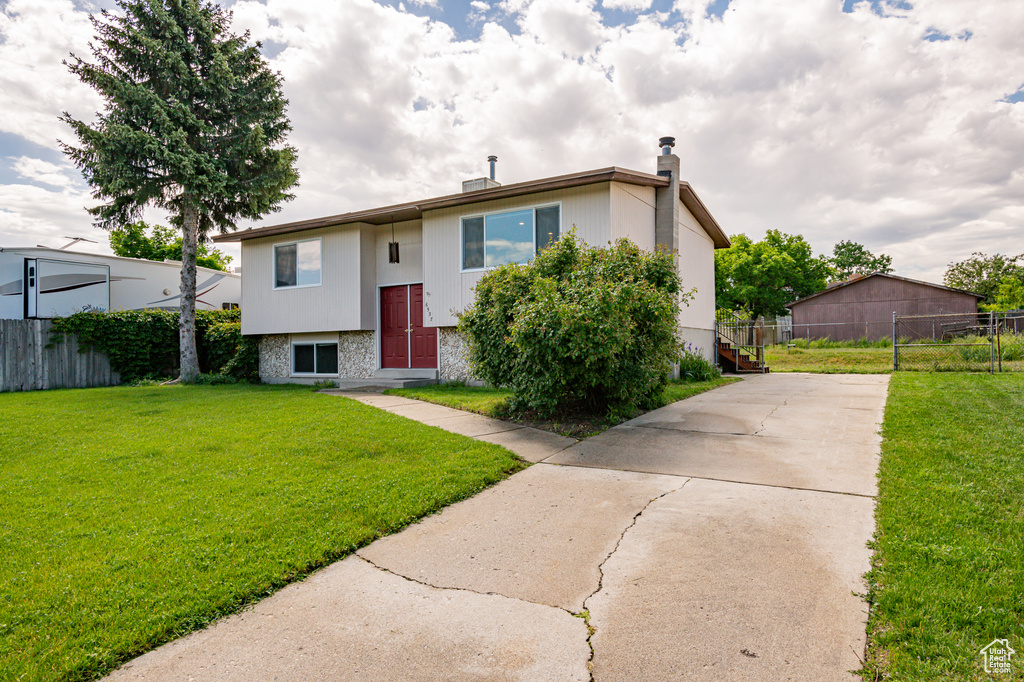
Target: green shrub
(1012, 347)
(215, 380)
(244, 365)
(693, 366)
(142, 344)
(222, 341)
(580, 327)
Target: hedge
(143, 344)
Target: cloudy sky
(898, 125)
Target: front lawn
(131, 516)
(493, 402)
(948, 573)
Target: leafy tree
(850, 257)
(1009, 295)
(194, 122)
(131, 241)
(762, 277)
(984, 274)
(579, 327)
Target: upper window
(512, 237)
(297, 264)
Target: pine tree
(194, 122)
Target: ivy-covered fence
(143, 344)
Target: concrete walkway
(718, 538)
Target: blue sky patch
(717, 8)
(879, 7)
(1015, 97)
(935, 35)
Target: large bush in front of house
(143, 344)
(580, 327)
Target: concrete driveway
(718, 538)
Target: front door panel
(424, 339)
(394, 323)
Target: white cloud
(43, 171)
(789, 115)
(628, 5)
(35, 87)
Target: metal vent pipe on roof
(666, 144)
(492, 159)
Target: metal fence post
(991, 344)
(895, 351)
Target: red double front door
(404, 341)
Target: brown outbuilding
(862, 306)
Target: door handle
(409, 330)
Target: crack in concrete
(585, 613)
(384, 569)
(768, 416)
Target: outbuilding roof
(841, 285)
(414, 210)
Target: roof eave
(414, 210)
(695, 206)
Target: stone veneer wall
(357, 355)
(275, 357)
(452, 362)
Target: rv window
(315, 358)
(297, 264)
(511, 237)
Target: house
(376, 293)
(39, 283)
(862, 306)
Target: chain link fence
(964, 342)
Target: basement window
(315, 358)
(495, 239)
(297, 264)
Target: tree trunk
(187, 318)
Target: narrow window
(297, 264)
(284, 265)
(547, 226)
(472, 243)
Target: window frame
(484, 215)
(296, 242)
(314, 343)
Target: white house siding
(447, 290)
(328, 307)
(409, 269)
(697, 269)
(632, 214)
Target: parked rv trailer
(44, 283)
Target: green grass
(493, 402)
(131, 516)
(948, 573)
(830, 359)
(480, 399)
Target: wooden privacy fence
(26, 364)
